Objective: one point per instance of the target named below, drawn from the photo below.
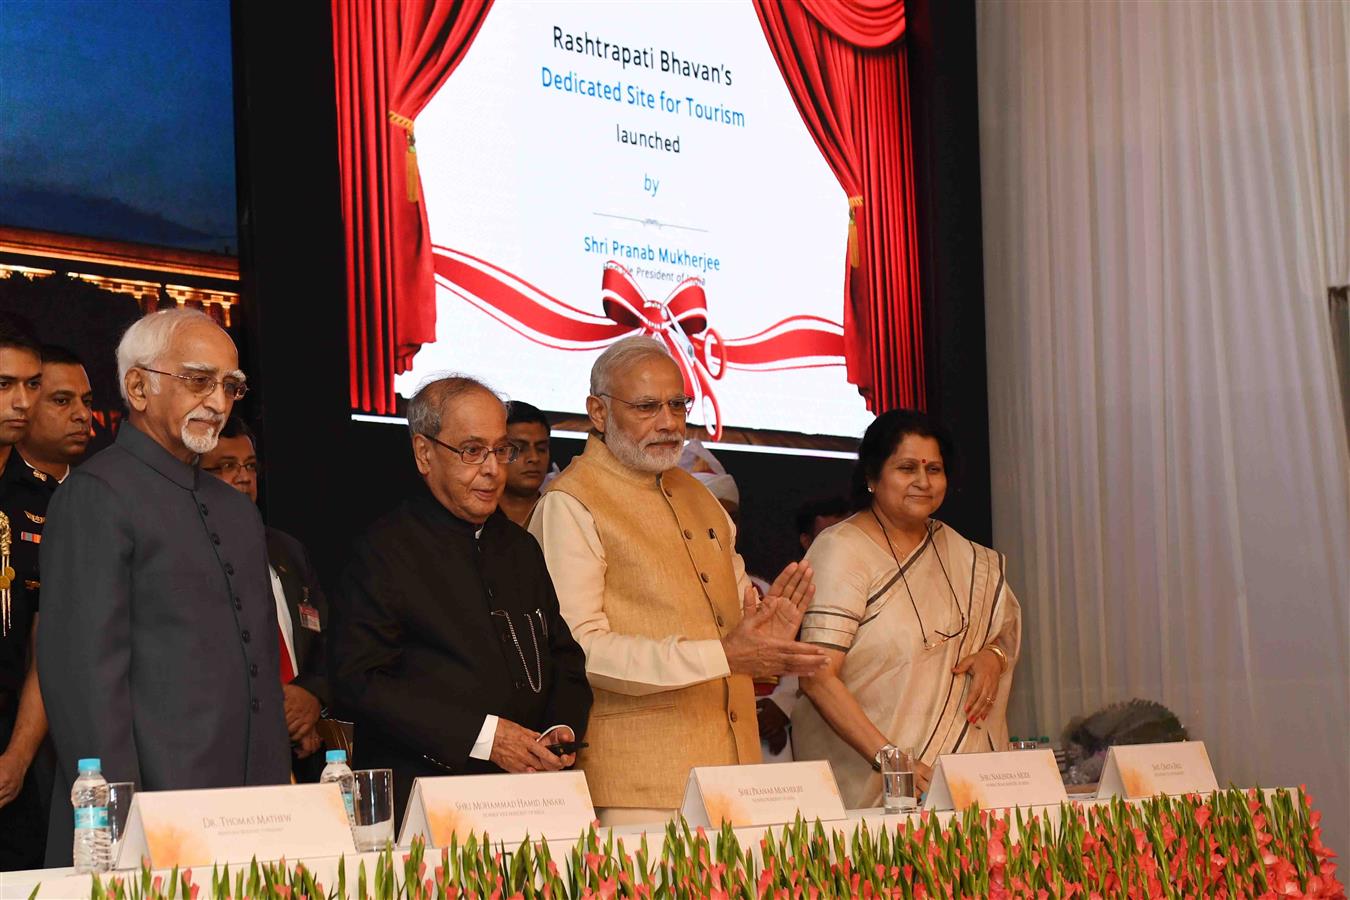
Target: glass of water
(373, 805)
(119, 807)
(897, 780)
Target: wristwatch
(876, 760)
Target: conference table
(64, 884)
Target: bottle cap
(333, 756)
(90, 764)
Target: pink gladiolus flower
(1202, 814)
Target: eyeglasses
(201, 383)
(477, 454)
(965, 619)
(647, 409)
(230, 467)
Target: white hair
(427, 407)
(619, 356)
(149, 338)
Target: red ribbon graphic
(680, 322)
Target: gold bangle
(1002, 657)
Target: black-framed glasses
(477, 454)
(201, 383)
(229, 468)
(932, 645)
(965, 619)
(648, 409)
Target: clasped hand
(764, 642)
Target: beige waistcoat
(669, 571)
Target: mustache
(208, 418)
(661, 437)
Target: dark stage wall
(327, 477)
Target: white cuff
(714, 658)
(482, 748)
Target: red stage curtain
(845, 66)
(391, 58)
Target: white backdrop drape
(1165, 192)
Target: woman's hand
(985, 669)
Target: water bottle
(338, 770)
(93, 836)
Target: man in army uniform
(57, 436)
(23, 724)
(61, 419)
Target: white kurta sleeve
(622, 663)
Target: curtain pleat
(845, 68)
(1165, 192)
(391, 58)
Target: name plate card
(510, 808)
(1135, 771)
(996, 780)
(234, 825)
(768, 794)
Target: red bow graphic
(680, 322)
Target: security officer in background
(23, 722)
(57, 436)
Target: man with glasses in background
(156, 647)
(302, 611)
(644, 560)
(528, 429)
(447, 649)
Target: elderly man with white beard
(157, 645)
(644, 561)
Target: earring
(871, 490)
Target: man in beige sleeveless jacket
(648, 579)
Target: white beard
(636, 456)
(200, 444)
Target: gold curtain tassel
(854, 250)
(410, 158)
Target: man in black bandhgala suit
(447, 648)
